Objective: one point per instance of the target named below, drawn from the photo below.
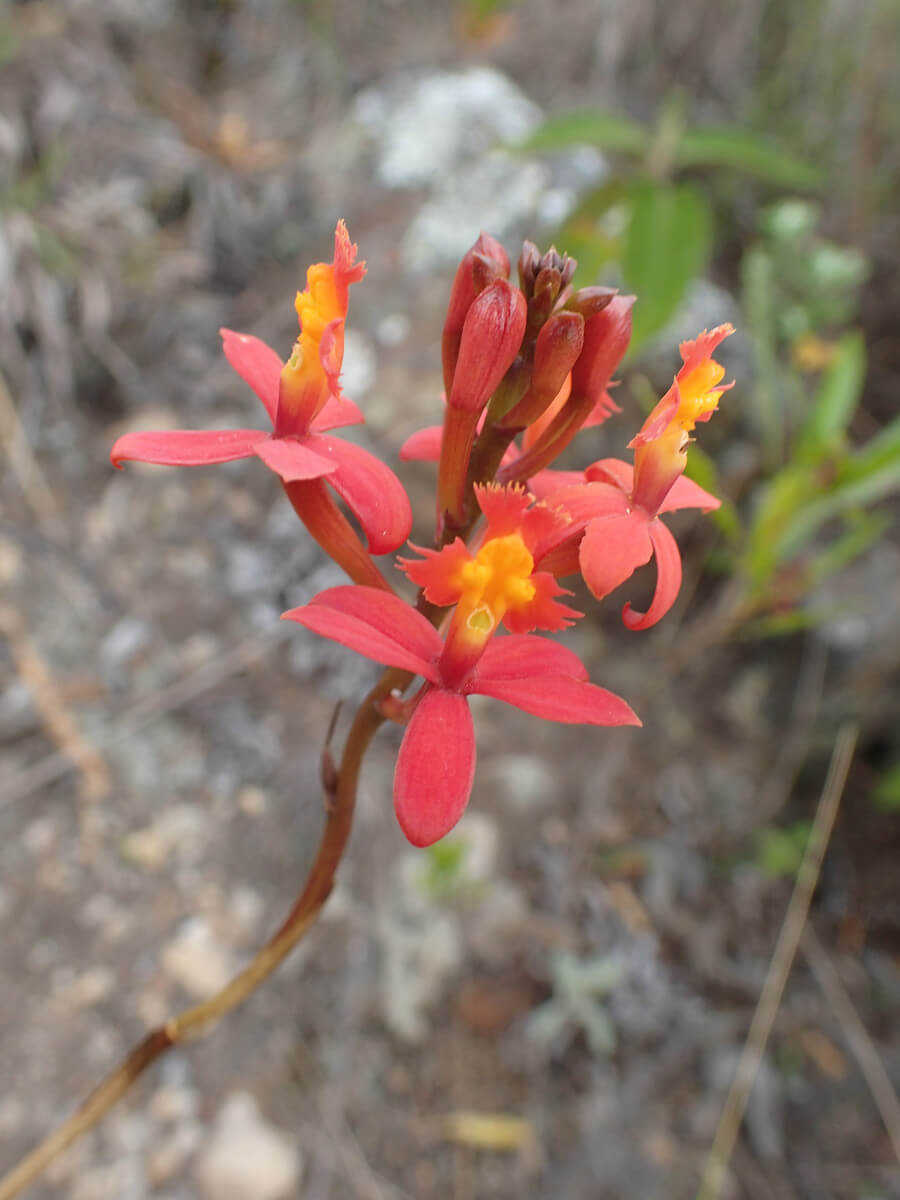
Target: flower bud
(606, 337)
(557, 349)
(590, 300)
(490, 340)
(480, 266)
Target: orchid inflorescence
(526, 367)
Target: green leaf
(779, 852)
(836, 402)
(887, 791)
(868, 475)
(595, 232)
(668, 244)
(864, 529)
(759, 295)
(701, 467)
(749, 154)
(607, 131)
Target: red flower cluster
(526, 367)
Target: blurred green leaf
(779, 852)
(781, 499)
(668, 244)
(594, 234)
(748, 153)
(759, 292)
(607, 131)
(864, 530)
(887, 791)
(866, 476)
(702, 469)
(836, 402)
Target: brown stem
(197, 1021)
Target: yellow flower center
(697, 394)
(496, 580)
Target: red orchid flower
(304, 401)
(617, 506)
(495, 585)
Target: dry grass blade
(780, 966)
(855, 1035)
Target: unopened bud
(485, 262)
(590, 300)
(556, 351)
(491, 337)
(606, 337)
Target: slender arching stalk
(197, 1021)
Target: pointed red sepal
(374, 623)
(187, 447)
(612, 549)
(684, 493)
(611, 470)
(336, 412)
(561, 698)
(520, 656)
(435, 767)
(256, 363)
(423, 446)
(605, 408)
(293, 459)
(606, 337)
(668, 579)
(370, 489)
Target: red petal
(292, 459)
(521, 656)
(371, 491)
(435, 767)
(586, 501)
(684, 493)
(423, 446)
(602, 411)
(611, 470)
(387, 614)
(612, 549)
(256, 363)
(560, 698)
(336, 412)
(363, 635)
(187, 447)
(550, 482)
(668, 579)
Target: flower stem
(197, 1021)
(314, 505)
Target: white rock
(197, 960)
(423, 125)
(247, 1158)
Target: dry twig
(779, 968)
(855, 1034)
